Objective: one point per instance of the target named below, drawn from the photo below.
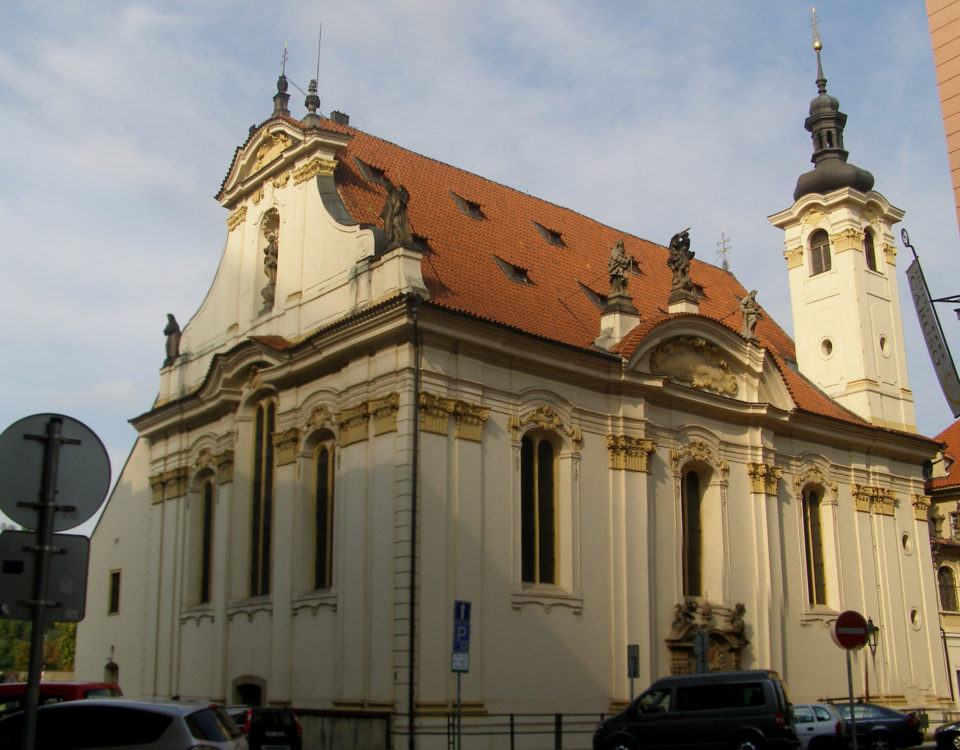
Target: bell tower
(841, 265)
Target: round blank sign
(83, 474)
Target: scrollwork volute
(812, 475)
(921, 507)
(546, 418)
(698, 450)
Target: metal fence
(514, 731)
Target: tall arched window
(819, 252)
(813, 547)
(691, 502)
(538, 510)
(206, 541)
(323, 518)
(948, 589)
(262, 499)
(869, 252)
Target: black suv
(268, 728)
(739, 710)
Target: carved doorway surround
(725, 627)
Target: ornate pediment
(695, 362)
(546, 418)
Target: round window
(907, 543)
(826, 348)
(915, 618)
(884, 346)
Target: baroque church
(410, 386)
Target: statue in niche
(396, 225)
(679, 261)
(751, 314)
(172, 332)
(617, 267)
(271, 254)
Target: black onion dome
(825, 124)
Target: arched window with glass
(538, 514)
(691, 500)
(869, 250)
(813, 546)
(947, 582)
(206, 541)
(323, 516)
(261, 506)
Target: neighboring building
(943, 17)
(596, 444)
(943, 488)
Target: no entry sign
(850, 630)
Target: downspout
(415, 468)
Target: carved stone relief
(312, 168)
(698, 451)
(435, 412)
(272, 146)
(812, 475)
(921, 506)
(693, 361)
(169, 484)
(384, 413)
(236, 218)
(470, 419)
(725, 626)
(285, 446)
(353, 423)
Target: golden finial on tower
(817, 45)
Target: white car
(119, 724)
(819, 726)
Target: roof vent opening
(598, 300)
(468, 207)
(339, 118)
(514, 273)
(373, 174)
(550, 235)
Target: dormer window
(514, 273)
(819, 252)
(598, 300)
(468, 207)
(551, 236)
(373, 174)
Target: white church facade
(409, 385)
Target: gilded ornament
(630, 453)
(312, 168)
(697, 450)
(285, 443)
(921, 506)
(765, 478)
(236, 218)
(545, 417)
(272, 146)
(353, 423)
(867, 499)
(435, 411)
(384, 413)
(812, 475)
(470, 419)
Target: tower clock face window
(819, 253)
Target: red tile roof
(950, 437)
(461, 273)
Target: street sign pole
(460, 655)
(48, 493)
(853, 720)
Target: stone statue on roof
(679, 261)
(751, 314)
(396, 225)
(271, 256)
(617, 267)
(172, 332)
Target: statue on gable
(396, 225)
(751, 314)
(172, 332)
(271, 255)
(617, 267)
(679, 261)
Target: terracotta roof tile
(462, 274)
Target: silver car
(819, 726)
(119, 723)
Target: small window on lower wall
(113, 601)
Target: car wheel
(619, 742)
(879, 742)
(954, 740)
(746, 742)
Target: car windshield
(212, 724)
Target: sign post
(633, 664)
(460, 655)
(850, 633)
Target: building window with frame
(947, 583)
(262, 499)
(869, 251)
(113, 596)
(813, 547)
(206, 541)
(691, 500)
(538, 513)
(323, 517)
(819, 252)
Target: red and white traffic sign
(850, 630)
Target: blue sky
(120, 120)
